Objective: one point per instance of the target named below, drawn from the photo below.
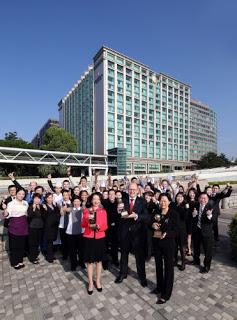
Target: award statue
(92, 219)
(157, 233)
(121, 210)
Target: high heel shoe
(89, 291)
(99, 289)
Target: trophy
(157, 233)
(121, 210)
(92, 219)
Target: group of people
(94, 222)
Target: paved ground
(50, 291)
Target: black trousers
(207, 242)
(34, 239)
(17, 248)
(137, 245)
(64, 243)
(180, 245)
(164, 259)
(75, 246)
(50, 252)
(112, 243)
(215, 229)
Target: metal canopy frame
(33, 156)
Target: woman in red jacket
(95, 223)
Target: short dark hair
(112, 190)
(11, 186)
(66, 180)
(39, 187)
(96, 194)
(83, 177)
(65, 191)
(21, 189)
(76, 198)
(167, 195)
(216, 185)
(202, 193)
(105, 191)
(47, 195)
(149, 193)
(36, 195)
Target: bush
(233, 236)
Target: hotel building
(121, 106)
(203, 130)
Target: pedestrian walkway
(51, 291)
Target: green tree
(11, 136)
(212, 160)
(58, 139)
(13, 141)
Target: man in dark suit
(132, 234)
(202, 232)
(12, 194)
(214, 199)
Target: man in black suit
(214, 199)
(12, 194)
(202, 232)
(132, 234)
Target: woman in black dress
(165, 229)
(181, 236)
(192, 202)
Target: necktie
(131, 205)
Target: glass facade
(203, 130)
(76, 112)
(148, 113)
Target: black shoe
(105, 265)
(89, 292)
(204, 270)
(17, 267)
(120, 279)
(155, 291)
(49, 260)
(160, 301)
(99, 289)
(182, 267)
(144, 283)
(196, 263)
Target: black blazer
(51, 219)
(112, 211)
(169, 224)
(206, 223)
(215, 201)
(130, 225)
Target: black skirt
(94, 250)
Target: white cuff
(209, 217)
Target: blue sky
(47, 44)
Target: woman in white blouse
(16, 212)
